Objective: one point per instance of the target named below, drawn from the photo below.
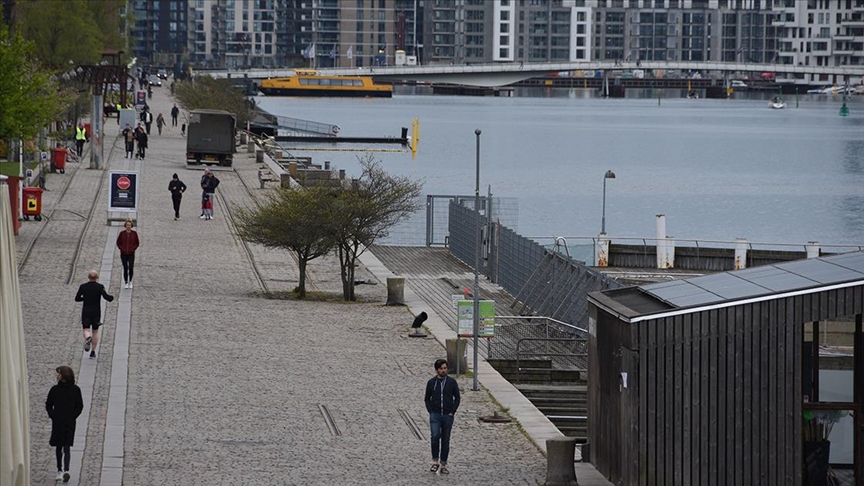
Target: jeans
(440, 426)
(128, 266)
(62, 453)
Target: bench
(265, 176)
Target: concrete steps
(560, 395)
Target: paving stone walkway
(223, 385)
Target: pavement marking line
(113, 450)
(328, 419)
(87, 373)
(415, 429)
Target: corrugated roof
(754, 282)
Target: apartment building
(157, 30)
(368, 33)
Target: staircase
(561, 395)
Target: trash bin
(32, 203)
(58, 160)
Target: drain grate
(411, 424)
(328, 419)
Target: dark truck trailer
(210, 137)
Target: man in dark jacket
(442, 400)
(177, 188)
(209, 183)
(91, 294)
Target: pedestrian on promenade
(127, 242)
(177, 188)
(141, 137)
(209, 183)
(160, 122)
(129, 138)
(64, 404)
(442, 400)
(148, 120)
(80, 138)
(175, 112)
(207, 206)
(91, 294)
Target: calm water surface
(718, 169)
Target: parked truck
(210, 137)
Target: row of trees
(318, 220)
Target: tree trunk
(301, 262)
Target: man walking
(148, 120)
(129, 138)
(175, 112)
(442, 400)
(209, 182)
(90, 294)
(128, 242)
(177, 188)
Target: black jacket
(90, 293)
(177, 188)
(64, 404)
(442, 395)
(209, 184)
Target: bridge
(502, 74)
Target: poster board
(123, 191)
(465, 316)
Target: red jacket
(127, 242)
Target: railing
(545, 353)
(507, 343)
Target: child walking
(207, 205)
(64, 405)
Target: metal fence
(545, 283)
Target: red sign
(123, 183)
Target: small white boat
(777, 103)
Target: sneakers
(66, 477)
(202, 217)
(59, 476)
(130, 285)
(126, 285)
(92, 354)
(87, 343)
(176, 218)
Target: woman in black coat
(64, 405)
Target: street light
(609, 175)
(476, 326)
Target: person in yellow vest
(80, 138)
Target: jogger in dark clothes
(177, 189)
(91, 294)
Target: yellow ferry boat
(308, 82)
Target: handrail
(519, 352)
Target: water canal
(718, 169)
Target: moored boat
(308, 82)
(777, 103)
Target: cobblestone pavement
(224, 385)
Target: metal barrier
(519, 353)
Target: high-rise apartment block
(359, 33)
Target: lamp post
(476, 325)
(609, 175)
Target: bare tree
(366, 211)
(295, 220)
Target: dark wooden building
(701, 381)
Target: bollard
(251, 147)
(259, 156)
(243, 138)
(559, 462)
(457, 360)
(395, 290)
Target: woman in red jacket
(127, 242)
